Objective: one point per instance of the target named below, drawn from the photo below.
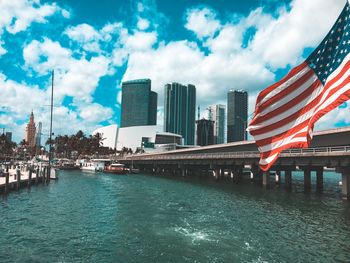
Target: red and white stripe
(286, 112)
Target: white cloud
(17, 15)
(279, 42)
(94, 112)
(82, 33)
(140, 41)
(142, 24)
(203, 22)
(74, 77)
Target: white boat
(94, 165)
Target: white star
(338, 38)
(339, 29)
(331, 40)
(327, 65)
(326, 72)
(330, 69)
(321, 66)
(338, 60)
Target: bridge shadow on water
(295, 198)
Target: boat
(116, 168)
(94, 165)
(66, 164)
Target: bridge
(329, 149)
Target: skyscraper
(217, 114)
(38, 135)
(139, 103)
(180, 110)
(30, 131)
(237, 114)
(9, 136)
(205, 132)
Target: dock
(16, 177)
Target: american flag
(285, 113)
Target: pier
(15, 177)
(329, 149)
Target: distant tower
(217, 114)
(237, 115)
(205, 132)
(38, 135)
(180, 110)
(139, 103)
(30, 131)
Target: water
(137, 218)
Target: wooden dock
(17, 177)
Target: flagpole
(50, 145)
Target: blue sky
(94, 45)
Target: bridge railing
(243, 154)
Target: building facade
(139, 103)
(180, 110)
(237, 115)
(205, 132)
(38, 135)
(217, 114)
(8, 136)
(30, 132)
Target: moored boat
(116, 168)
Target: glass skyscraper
(217, 114)
(139, 103)
(180, 110)
(237, 115)
(205, 132)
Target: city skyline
(216, 46)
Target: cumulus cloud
(17, 15)
(202, 21)
(142, 24)
(76, 77)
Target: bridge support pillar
(288, 179)
(307, 180)
(278, 177)
(345, 179)
(217, 173)
(319, 180)
(266, 179)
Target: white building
(217, 114)
(110, 135)
(133, 137)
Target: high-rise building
(38, 135)
(180, 110)
(139, 103)
(237, 115)
(30, 131)
(8, 136)
(205, 132)
(217, 114)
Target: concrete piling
(288, 179)
(307, 180)
(319, 180)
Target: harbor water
(86, 217)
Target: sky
(94, 45)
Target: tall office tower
(237, 114)
(38, 135)
(217, 114)
(205, 132)
(139, 103)
(30, 131)
(8, 136)
(180, 110)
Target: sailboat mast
(50, 148)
